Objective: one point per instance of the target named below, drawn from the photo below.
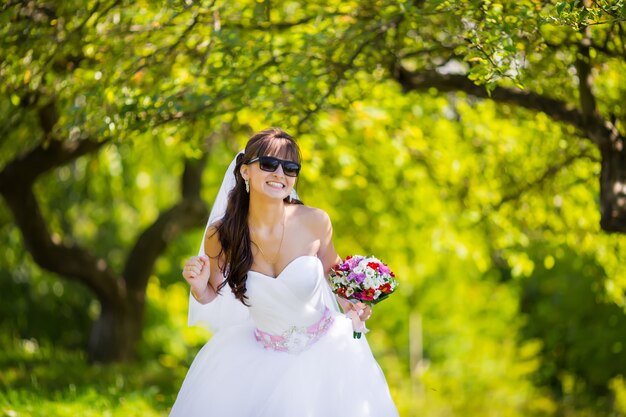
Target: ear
(243, 170)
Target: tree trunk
(116, 333)
(613, 185)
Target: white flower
(296, 341)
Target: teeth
(275, 184)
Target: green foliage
(512, 300)
(581, 329)
(577, 13)
(31, 296)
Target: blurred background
(477, 147)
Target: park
(477, 147)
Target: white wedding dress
(290, 354)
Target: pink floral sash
(295, 339)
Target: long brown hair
(234, 234)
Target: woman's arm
(329, 257)
(327, 253)
(203, 272)
(213, 249)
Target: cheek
(257, 176)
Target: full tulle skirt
(234, 375)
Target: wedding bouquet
(365, 279)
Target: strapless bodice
(298, 296)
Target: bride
(281, 345)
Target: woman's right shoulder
(212, 245)
(213, 230)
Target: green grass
(48, 381)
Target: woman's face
(271, 184)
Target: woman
(282, 347)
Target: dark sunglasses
(270, 164)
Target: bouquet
(365, 279)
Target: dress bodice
(298, 296)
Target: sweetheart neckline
(286, 266)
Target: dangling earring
(247, 186)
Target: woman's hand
(196, 272)
(362, 310)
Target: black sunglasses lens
(290, 169)
(268, 164)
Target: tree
(48, 48)
(79, 78)
(545, 57)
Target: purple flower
(356, 277)
(384, 269)
(344, 266)
(354, 261)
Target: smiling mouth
(274, 184)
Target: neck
(266, 214)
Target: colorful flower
(384, 269)
(373, 265)
(385, 288)
(343, 267)
(357, 277)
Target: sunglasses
(270, 164)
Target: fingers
(195, 266)
(193, 269)
(363, 310)
(366, 314)
(206, 265)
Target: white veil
(225, 310)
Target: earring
(247, 186)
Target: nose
(279, 170)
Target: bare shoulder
(311, 217)
(212, 245)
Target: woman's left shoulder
(313, 217)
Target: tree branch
(279, 26)
(343, 67)
(26, 168)
(550, 172)
(594, 127)
(72, 261)
(188, 213)
(48, 252)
